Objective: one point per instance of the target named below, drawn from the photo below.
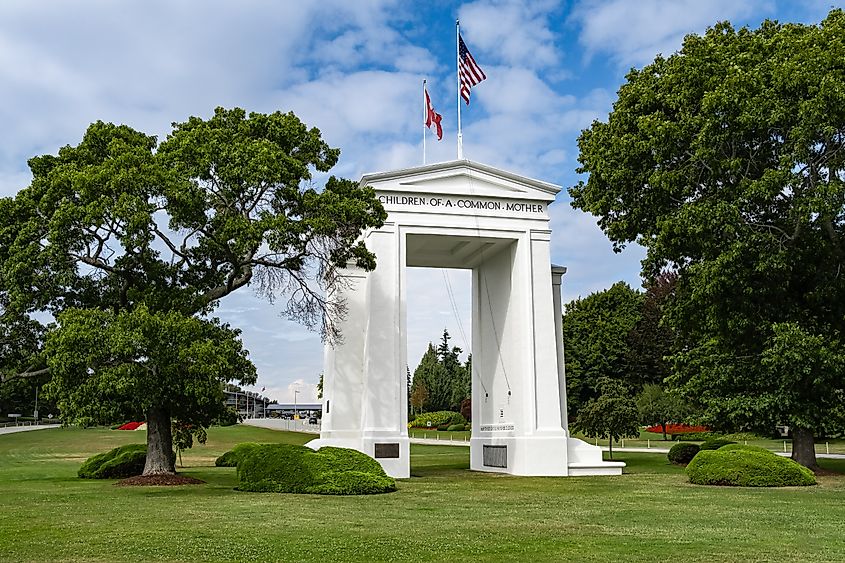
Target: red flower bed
(677, 429)
(130, 426)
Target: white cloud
(516, 33)
(634, 32)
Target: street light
(295, 393)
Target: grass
(443, 513)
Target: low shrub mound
(125, 461)
(715, 443)
(747, 466)
(439, 418)
(456, 428)
(231, 458)
(683, 452)
(286, 468)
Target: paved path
(302, 426)
(13, 429)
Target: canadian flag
(432, 117)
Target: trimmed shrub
(286, 468)
(747, 466)
(125, 461)
(696, 436)
(683, 452)
(456, 428)
(443, 427)
(715, 444)
(434, 419)
(231, 458)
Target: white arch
(460, 214)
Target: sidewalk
(13, 429)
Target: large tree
(595, 330)
(725, 161)
(131, 244)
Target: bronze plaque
(387, 450)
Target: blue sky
(354, 70)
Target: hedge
(231, 458)
(456, 428)
(438, 418)
(715, 444)
(682, 453)
(747, 466)
(286, 468)
(124, 461)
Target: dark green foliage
(715, 443)
(656, 406)
(131, 244)
(595, 330)
(696, 436)
(455, 428)
(284, 468)
(744, 466)
(612, 415)
(124, 461)
(725, 162)
(683, 452)
(435, 419)
(229, 417)
(440, 381)
(443, 427)
(233, 456)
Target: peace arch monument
(460, 214)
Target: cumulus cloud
(517, 33)
(632, 33)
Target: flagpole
(458, 77)
(425, 118)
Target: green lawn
(443, 513)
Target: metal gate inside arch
(460, 214)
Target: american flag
(469, 73)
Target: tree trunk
(804, 448)
(160, 458)
(610, 449)
(663, 426)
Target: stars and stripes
(469, 73)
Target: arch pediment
(461, 177)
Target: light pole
(295, 393)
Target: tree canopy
(130, 244)
(595, 336)
(440, 381)
(725, 161)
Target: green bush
(434, 419)
(715, 444)
(285, 468)
(695, 436)
(683, 452)
(456, 428)
(443, 427)
(747, 466)
(125, 461)
(231, 458)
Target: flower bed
(130, 426)
(676, 429)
